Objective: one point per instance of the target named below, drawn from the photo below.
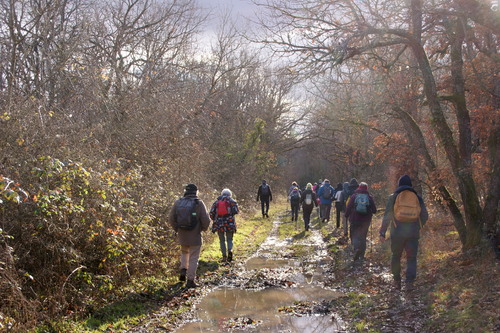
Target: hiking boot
(230, 256)
(397, 284)
(182, 276)
(224, 259)
(190, 284)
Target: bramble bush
(71, 234)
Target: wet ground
(279, 289)
(304, 283)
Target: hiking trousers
(189, 259)
(325, 211)
(359, 232)
(339, 208)
(306, 215)
(410, 246)
(295, 206)
(223, 237)
(264, 205)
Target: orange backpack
(407, 207)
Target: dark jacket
(398, 229)
(264, 197)
(354, 216)
(303, 199)
(191, 237)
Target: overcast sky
(240, 10)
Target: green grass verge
(145, 295)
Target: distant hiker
(359, 211)
(339, 203)
(222, 213)
(315, 189)
(407, 212)
(294, 185)
(265, 196)
(189, 217)
(326, 194)
(308, 200)
(295, 203)
(346, 195)
(343, 198)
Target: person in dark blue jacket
(404, 235)
(326, 194)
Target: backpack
(223, 207)
(327, 192)
(186, 213)
(308, 199)
(407, 207)
(295, 196)
(264, 190)
(362, 203)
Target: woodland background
(109, 107)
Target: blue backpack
(362, 203)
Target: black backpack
(264, 190)
(186, 213)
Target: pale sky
(241, 11)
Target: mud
(273, 291)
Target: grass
(147, 294)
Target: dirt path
(302, 283)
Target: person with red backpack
(408, 214)
(222, 213)
(359, 212)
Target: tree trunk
(417, 136)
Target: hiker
(308, 201)
(339, 204)
(265, 196)
(359, 211)
(326, 194)
(343, 198)
(222, 213)
(189, 217)
(295, 203)
(407, 212)
(315, 189)
(294, 185)
(346, 194)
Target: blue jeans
(223, 236)
(410, 246)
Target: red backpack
(223, 207)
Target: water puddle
(274, 291)
(220, 310)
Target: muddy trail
(303, 283)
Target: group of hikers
(405, 214)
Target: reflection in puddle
(255, 295)
(262, 306)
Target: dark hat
(353, 182)
(404, 180)
(191, 188)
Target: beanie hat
(353, 182)
(363, 186)
(191, 189)
(404, 180)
